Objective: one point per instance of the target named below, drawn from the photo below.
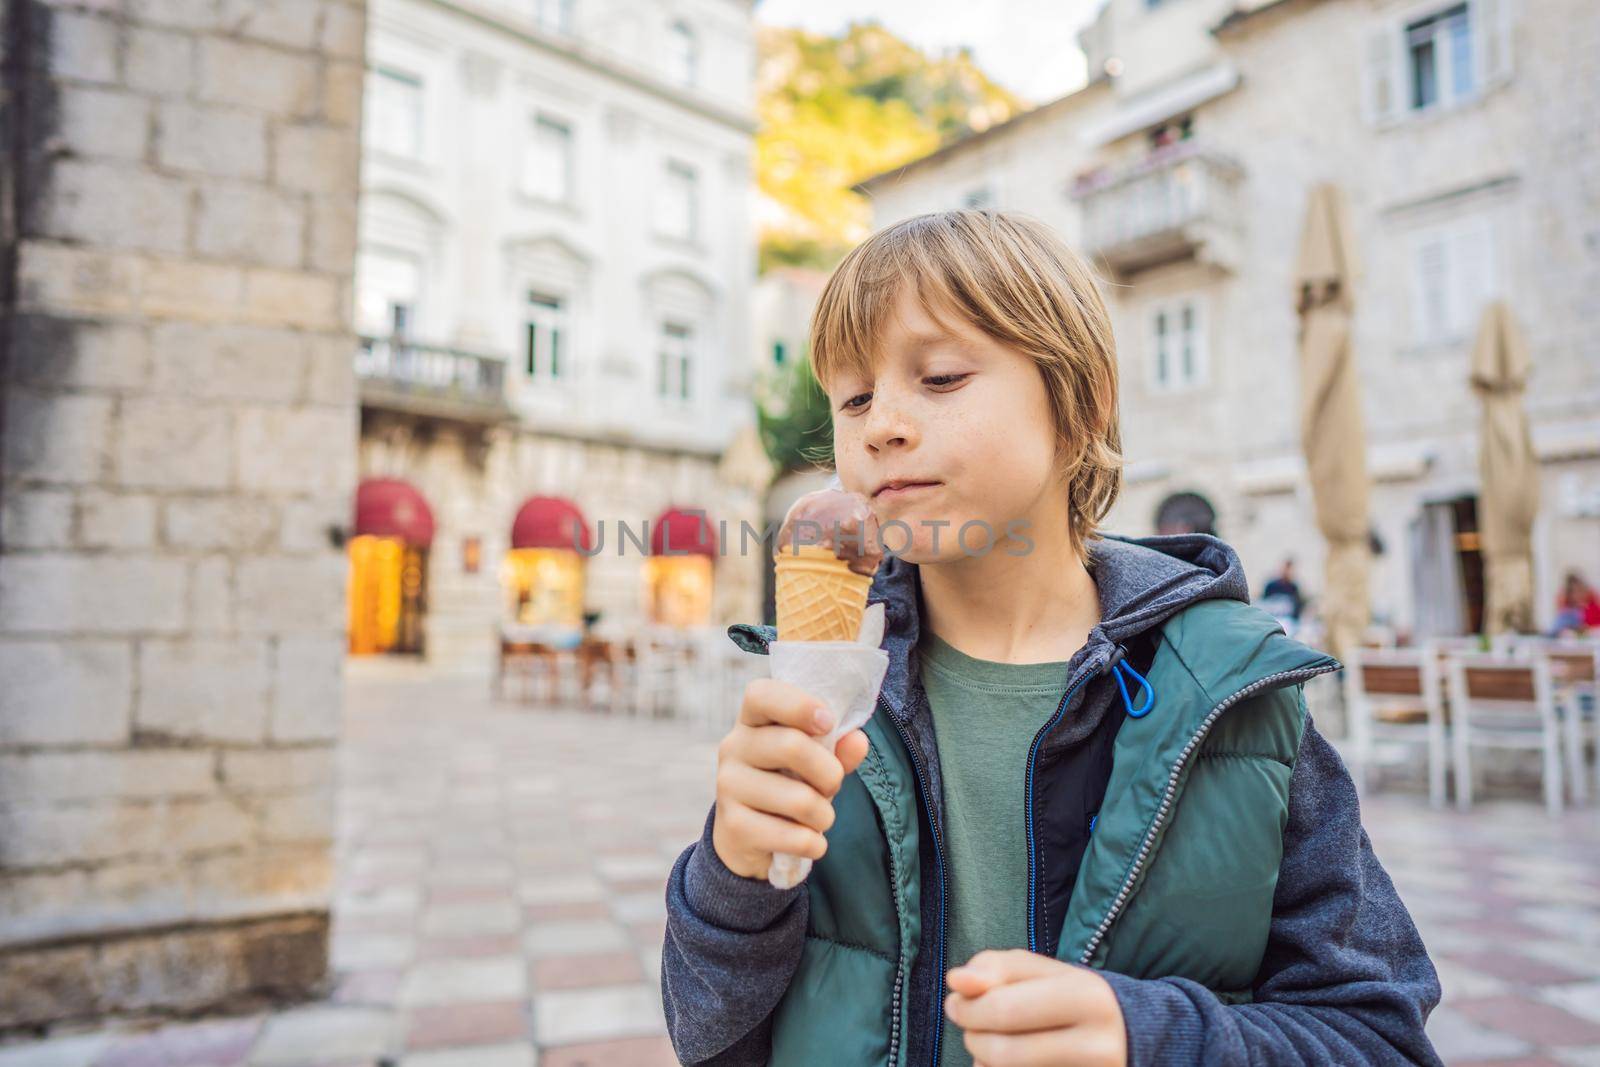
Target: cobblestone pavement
(500, 901)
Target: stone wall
(178, 454)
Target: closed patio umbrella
(1332, 432)
(1508, 499)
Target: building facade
(552, 290)
(1458, 133)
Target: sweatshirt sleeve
(732, 947)
(1345, 977)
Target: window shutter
(1492, 30)
(1198, 341)
(1381, 75)
(1430, 308)
(1473, 275)
(1159, 348)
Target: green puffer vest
(1179, 875)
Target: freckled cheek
(848, 459)
(1003, 469)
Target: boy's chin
(924, 555)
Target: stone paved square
(485, 919)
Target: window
(547, 161)
(677, 211)
(1439, 55)
(674, 361)
(1453, 278)
(1171, 133)
(553, 16)
(1437, 59)
(394, 113)
(1177, 346)
(388, 290)
(682, 58)
(546, 326)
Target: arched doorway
(678, 575)
(1186, 512)
(387, 594)
(544, 571)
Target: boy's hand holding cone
(827, 552)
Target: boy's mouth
(897, 488)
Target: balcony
(397, 374)
(1179, 203)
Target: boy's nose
(888, 427)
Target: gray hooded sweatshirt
(1345, 977)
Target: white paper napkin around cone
(845, 676)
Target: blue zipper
(938, 858)
(1033, 860)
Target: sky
(1029, 46)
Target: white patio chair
(1574, 667)
(698, 682)
(739, 669)
(1503, 702)
(1393, 695)
(658, 661)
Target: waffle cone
(819, 598)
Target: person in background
(1577, 607)
(1284, 587)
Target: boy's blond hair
(1011, 277)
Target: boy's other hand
(1019, 1008)
(775, 783)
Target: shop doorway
(1447, 571)
(387, 592)
(543, 573)
(679, 576)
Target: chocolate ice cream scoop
(836, 519)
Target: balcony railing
(1179, 203)
(425, 379)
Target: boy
(1090, 821)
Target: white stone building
(554, 281)
(782, 306)
(1463, 137)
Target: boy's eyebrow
(942, 339)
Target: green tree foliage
(793, 417)
(835, 110)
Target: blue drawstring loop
(1123, 667)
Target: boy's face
(950, 406)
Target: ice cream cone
(819, 597)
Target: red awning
(551, 522)
(388, 507)
(683, 532)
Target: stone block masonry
(178, 431)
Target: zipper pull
(1122, 669)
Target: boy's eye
(858, 401)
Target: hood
(1141, 583)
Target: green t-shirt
(985, 716)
